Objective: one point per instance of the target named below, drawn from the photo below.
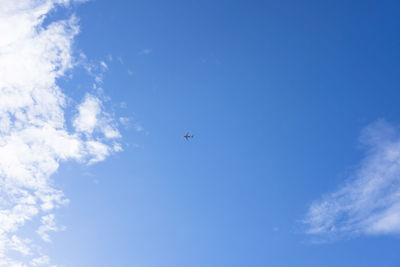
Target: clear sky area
(294, 108)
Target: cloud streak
(34, 137)
(369, 203)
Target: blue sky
(293, 104)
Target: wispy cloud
(104, 65)
(138, 127)
(48, 224)
(34, 138)
(369, 203)
(146, 51)
(41, 261)
(125, 121)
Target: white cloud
(20, 245)
(91, 118)
(369, 203)
(40, 261)
(89, 111)
(98, 149)
(34, 138)
(48, 224)
(104, 65)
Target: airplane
(187, 136)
